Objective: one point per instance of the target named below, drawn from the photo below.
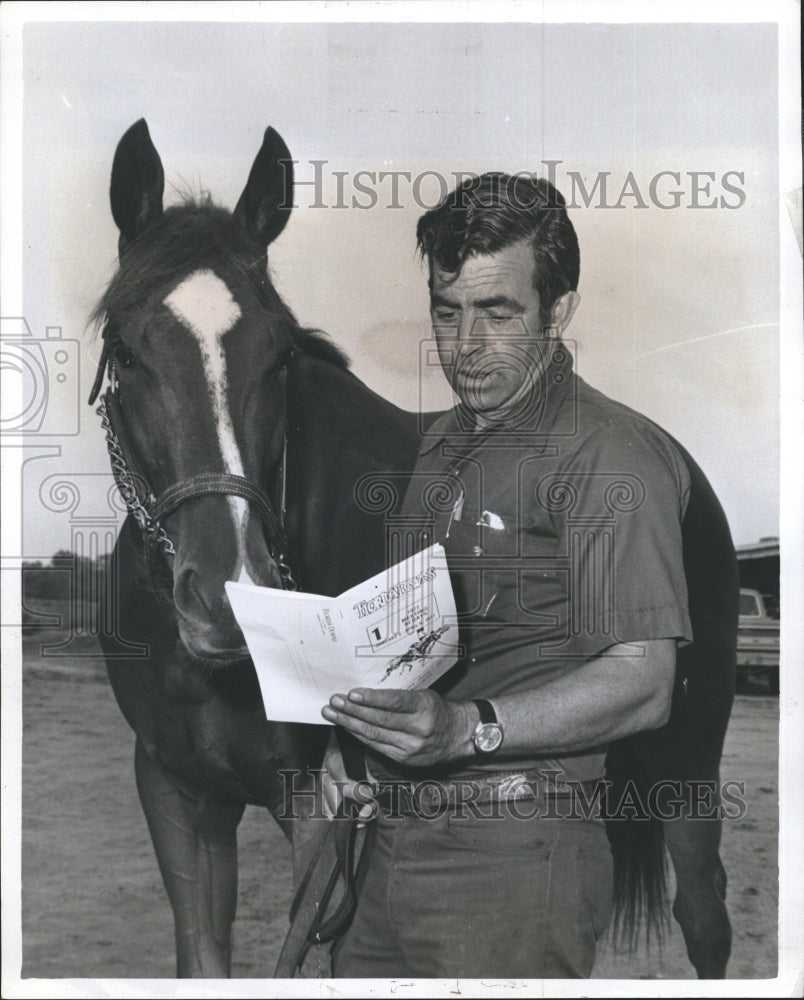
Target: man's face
(488, 328)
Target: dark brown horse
(247, 450)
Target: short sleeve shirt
(563, 537)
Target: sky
(679, 312)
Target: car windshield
(748, 604)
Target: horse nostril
(194, 594)
(206, 601)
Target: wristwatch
(488, 736)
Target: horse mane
(190, 236)
(318, 344)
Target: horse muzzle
(207, 555)
(207, 644)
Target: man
(564, 548)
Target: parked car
(758, 638)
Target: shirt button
(477, 550)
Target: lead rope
(281, 558)
(285, 572)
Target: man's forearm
(612, 696)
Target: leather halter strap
(149, 510)
(214, 482)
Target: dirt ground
(93, 904)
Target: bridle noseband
(149, 510)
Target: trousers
(474, 896)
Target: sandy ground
(92, 898)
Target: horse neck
(338, 431)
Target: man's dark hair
(485, 214)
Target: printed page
(300, 646)
(403, 623)
(397, 630)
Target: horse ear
(138, 183)
(266, 202)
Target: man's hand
(336, 785)
(413, 727)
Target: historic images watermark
(549, 795)
(318, 185)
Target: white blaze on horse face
(204, 305)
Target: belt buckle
(512, 788)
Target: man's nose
(474, 329)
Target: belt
(425, 795)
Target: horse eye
(123, 356)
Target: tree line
(53, 580)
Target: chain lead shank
(148, 509)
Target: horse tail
(638, 849)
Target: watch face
(488, 737)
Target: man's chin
(506, 414)
(480, 403)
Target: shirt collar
(536, 426)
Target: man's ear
(562, 311)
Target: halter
(149, 510)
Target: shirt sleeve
(619, 504)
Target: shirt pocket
(483, 551)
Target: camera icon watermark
(515, 370)
(41, 381)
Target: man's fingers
(335, 782)
(335, 792)
(413, 726)
(367, 729)
(383, 719)
(387, 741)
(391, 699)
(334, 766)
(332, 795)
(334, 773)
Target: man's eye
(445, 316)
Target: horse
(245, 449)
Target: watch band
(488, 736)
(486, 709)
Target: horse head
(195, 344)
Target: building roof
(763, 549)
